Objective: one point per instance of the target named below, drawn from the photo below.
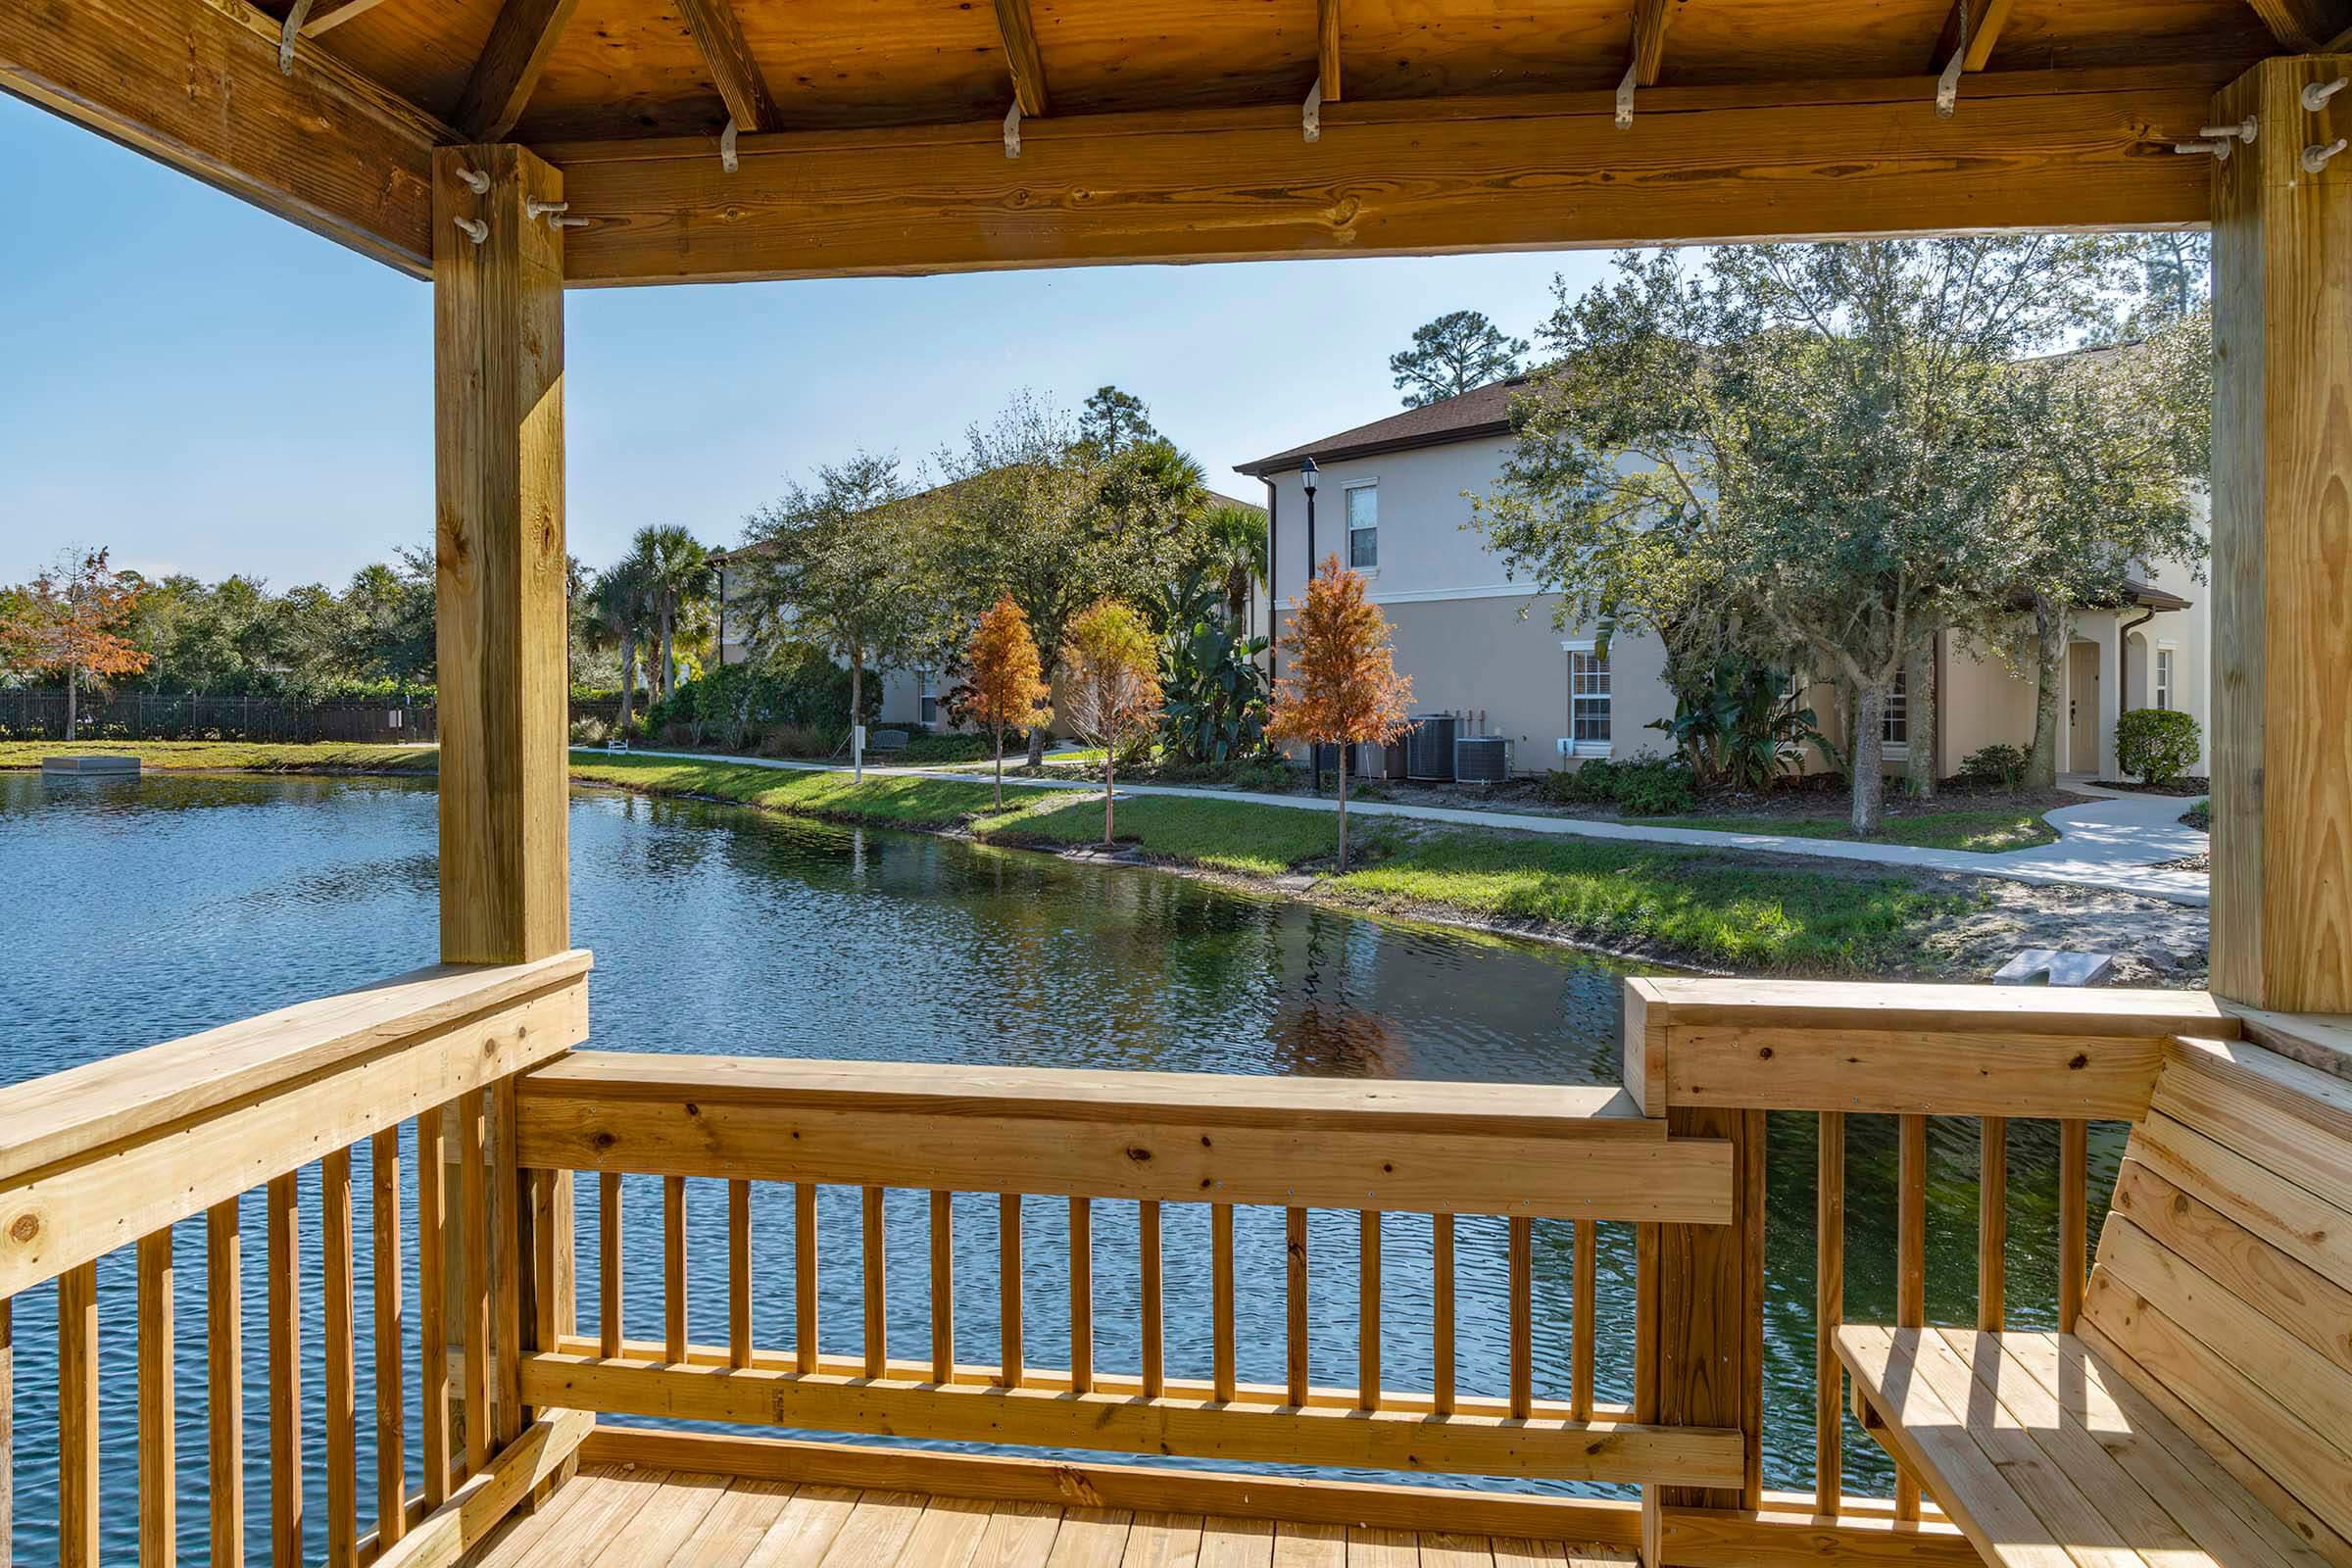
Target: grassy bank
(246, 756)
(1987, 831)
(1701, 907)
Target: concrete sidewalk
(2115, 843)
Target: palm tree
(1237, 554)
(619, 608)
(676, 571)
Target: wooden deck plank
(1019, 1533)
(521, 1531)
(948, 1535)
(1374, 1548)
(805, 1530)
(734, 1527)
(617, 1498)
(669, 1514)
(1447, 1549)
(1090, 1538)
(1237, 1543)
(1310, 1547)
(1163, 1540)
(876, 1530)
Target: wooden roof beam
(1028, 67)
(2046, 149)
(1327, 49)
(732, 69)
(2306, 27)
(521, 41)
(1645, 55)
(319, 144)
(330, 14)
(1983, 21)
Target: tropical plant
(677, 575)
(1234, 543)
(2158, 744)
(69, 621)
(1110, 685)
(1741, 727)
(1458, 352)
(1342, 687)
(1002, 688)
(620, 613)
(1216, 689)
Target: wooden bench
(2202, 1411)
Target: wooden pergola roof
(872, 134)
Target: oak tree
(1342, 687)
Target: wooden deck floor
(611, 1518)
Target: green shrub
(1998, 763)
(924, 751)
(1648, 785)
(2159, 744)
(2198, 816)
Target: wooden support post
(1701, 1316)
(2283, 546)
(498, 449)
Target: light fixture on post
(1307, 474)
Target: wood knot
(1764, 1054)
(1139, 1154)
(25, 1228)
(2079, 1061)
(602, 1140)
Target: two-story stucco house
(1389, 500)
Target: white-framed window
(927, 705)
(1363, 526)
(1588, 698)
(2165, 655)
(1894, 725)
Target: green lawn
(1225, 835)
(250, 756)
(1986, 830)
(895, 802)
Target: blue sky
(206, 388)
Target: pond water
(140, 911)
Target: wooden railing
(114, 1154)
(1438, 1151)
(1992, 1055)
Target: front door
(2083, 707)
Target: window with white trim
(1363, 528)
(928, 702)
(1588, 699)
(2164, 677)
(1894, 724)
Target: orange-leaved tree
(69, 621)
(1343, 685)
(1110, 684)
(1006, 690)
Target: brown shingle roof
(1481, 412)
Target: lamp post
(1307, 474)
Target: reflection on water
(142, 910)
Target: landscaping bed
(2186, 788)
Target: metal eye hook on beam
(474, 181)
(2314, 157)
(1012, 130)
(474, 230)
(1625, 98)
(1310, 118)
(726, 146)
(2317, 93)
(2243, 130)
(2219, 149)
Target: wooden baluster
(1367, 1320)
(8, 1428)
(1082, 1296)
(1154, 1330)
(507, 1255)
(739, 1273)
(1828, 1312)
(225, 1381)
(473, 1227)
(554, 1278)
(2074, 1220)
(943, 1286)
(1992, 1225)
(159, 1481)
(78, 1417)
(1441, 1320)
(673, 1269)
(1584, 1329)
(610, 1330)
(279, 1202)
(878, 1293)
(1294, 1249)
(432, 1306)
(1523, 1316)
(391, 1364)
(804, 1276)
(1008, 1288)
(1911, 1267)
(1220, 1311)
(339, 1349)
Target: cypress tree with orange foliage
(1006, 690)
(1110, 684)
(1343, 685)
(70, 620)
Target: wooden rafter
(1985, 19)
(732, 69)
(319, 145)
(521, 41)
(2053, 149)
(329, 14)
(1327, 48)
(1650, 17)
(2305, 25)
(1028, 67)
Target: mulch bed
(2183, 788)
